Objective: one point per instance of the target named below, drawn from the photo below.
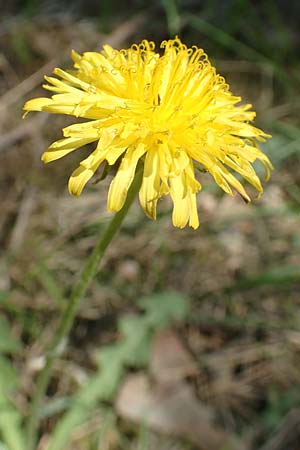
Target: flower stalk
(67, 319)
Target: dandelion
(172, 114)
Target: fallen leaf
(170, 361)
(172, 410)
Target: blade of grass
(48, 281)
(84, 402)
(226, 41)
(10, 419)
(172, 15)
(277, 276)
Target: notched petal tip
(45, 157)
(36, 104)
(78, 180)
(75, 56)
(58, 71)
(268, 166)
(246, 199)
(194, 226)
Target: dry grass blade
(125, 30)
(288, 434)
(17, 92)
(24, 213)
(25, 129)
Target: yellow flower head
(170, 112)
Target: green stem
(67, 319)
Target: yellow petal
(88, 130)
(114, 153)
(84, 172)
(165, 162)
(183, 191)
(119, 186)
(75, 56)
(193, 185)
(150, 189)
(194, 219)
(37, 104)
(78, 180)
(180, 160)
(72, 79)
(225, 178)
(64, 146)
(246, 170)
(180, 215)
(59, 86)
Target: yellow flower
(170, 112)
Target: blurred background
(201, 329)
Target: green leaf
(10, 425)
(55, 406)
(100, 386)
(132, 349)
(3, 296)
(108, 423)
(162, 309)
(61, 436)
(8, 375)
(137, 336)
(3, 446)
(10, 419)
(111, 360)
(8, 344)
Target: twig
(24, 214)
(17, 92)
(124, 30)
(25, 129)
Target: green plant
(132, 350)
(11, 432)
